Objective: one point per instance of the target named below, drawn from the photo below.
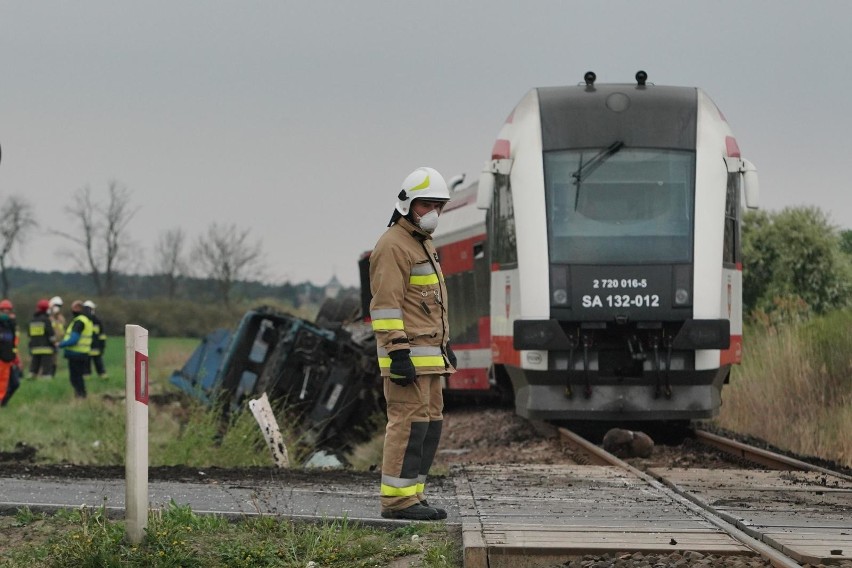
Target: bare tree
(226, 255)
(101, 233)
(169, 261)
(17, 218)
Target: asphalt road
(302, 495)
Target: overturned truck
(322, 377)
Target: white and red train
(595, 270)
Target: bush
(793, 254)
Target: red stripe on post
(141, 375)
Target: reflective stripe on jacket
(40, 331)
(409, 305)
(98, 337)
(84, 345)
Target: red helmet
(42, 305)
(6, 305)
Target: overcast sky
(299, 120)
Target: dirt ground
(496, 435)
(471, 435)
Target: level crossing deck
(805, 515)
(537, 515)
(520, 515)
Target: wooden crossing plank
(806, 515)
(701, 478)
(519, 516)
(569, 542)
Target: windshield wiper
(585, 170)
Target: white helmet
(89, 304)
(56, 301)
(422, 183)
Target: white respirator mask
(429, 221)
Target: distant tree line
(145, 287)
(223, 262)
(195, 312)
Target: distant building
(333, 288)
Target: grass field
(45, 414)
(794, 388)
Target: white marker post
(269, 426)
(136, 455)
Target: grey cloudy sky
(299, 120)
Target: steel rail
(760, 456)
(777, 558)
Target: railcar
(595, 269)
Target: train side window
(732, 250)
(503, 224)
(478, 251)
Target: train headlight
(560, 276)
(682, 286)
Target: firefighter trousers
(411, 439)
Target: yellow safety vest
(84, 345)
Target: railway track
(824, 542)
(770, 460)
(780, 512)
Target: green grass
(45, 414)
(794, 388)
(176, 536)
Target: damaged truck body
(321, 377)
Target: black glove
(451, 357)
(402, 371)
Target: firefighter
(96, 355)
(77, 343)
(57, 320)
(10, 363)
(42, 342)
(409, 315)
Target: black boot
(442, 513)
(416, 512)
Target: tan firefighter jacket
(409, 306)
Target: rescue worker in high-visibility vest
(409, 318)
(96, 355)
(76, 344)
(42, 342)
(10, 362)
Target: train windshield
(633, 206)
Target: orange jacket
(409, 305)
